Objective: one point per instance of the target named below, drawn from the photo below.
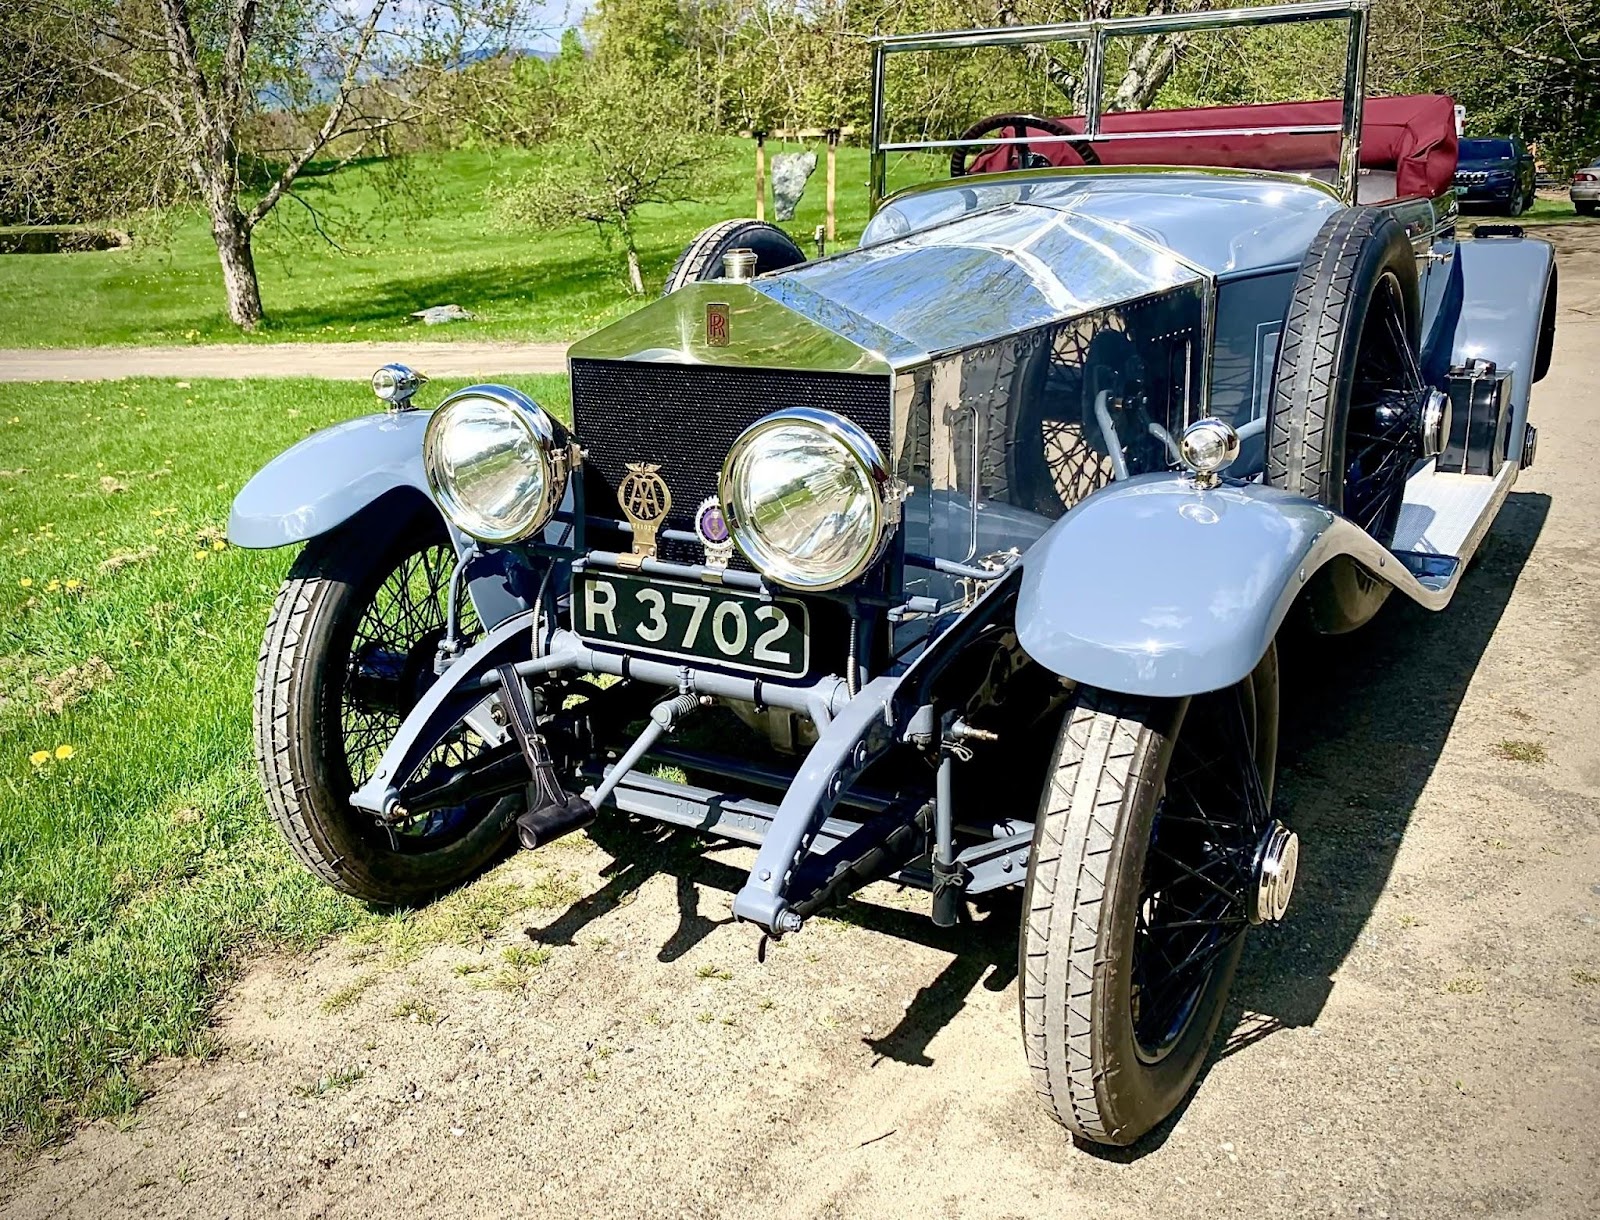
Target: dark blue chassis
(823, 838)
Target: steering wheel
(1022, 155)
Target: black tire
(701, 259)
(1358, 252)
(311, 758)
(1086, 897)
(1516, 205)
(1585, 208)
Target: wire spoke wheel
(351, 647)
(1154, 852)
(1381, 441)
(1194, 899)
(391, 663)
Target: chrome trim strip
(1218, 19)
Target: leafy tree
(191, 76)
(631, 143)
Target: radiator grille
(686, 417)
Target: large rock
(789, 174)
(437, 315)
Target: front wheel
(1154, 851)
(349, 650)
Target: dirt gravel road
(1422, 1039)
(336, 361)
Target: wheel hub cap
(1277, 861)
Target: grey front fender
(320, 483)
(1155, 587)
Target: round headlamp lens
(493, 463)
(1208, 446)
(805, 496)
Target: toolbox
(1480, 419)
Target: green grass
(437, 243)
(137, 862)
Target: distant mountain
(325, 79)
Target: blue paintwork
(1225, 222)
(320, 483)
(1155, 587)
(1503, 285)
(323, 481)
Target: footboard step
(1445, 514)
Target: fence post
(761, 175)
(833, 144)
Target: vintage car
(956, 559)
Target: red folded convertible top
(1413, 137)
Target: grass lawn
(136, 857)
(436, 243)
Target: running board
(1443, 522)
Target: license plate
(698, 622)
(1461, 190)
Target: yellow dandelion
(72, 584)
(39, 757)
(201, 554)
(52, 586)
(218, 544)
(65, 752)
(26, 582)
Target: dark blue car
(1497, 172)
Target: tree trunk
(232, 236)
(635, 279)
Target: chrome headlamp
(808, 498)
(496, 462)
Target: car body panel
(322, 481)
(1223, 222)
(1505, 283)
(333, 475)
(1160, 588)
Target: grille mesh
(686, 417)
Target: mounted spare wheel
(1350, 413)
(701, 259)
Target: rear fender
(1507, 315)
(1156, 587)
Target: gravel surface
(1421, 1039)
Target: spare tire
(1348, 347)
(701, 259)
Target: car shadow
(1364, 721)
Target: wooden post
(761, 175)
(833, 143)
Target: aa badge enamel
(645, 499)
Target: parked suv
(1585, 189)
(1497, 171)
